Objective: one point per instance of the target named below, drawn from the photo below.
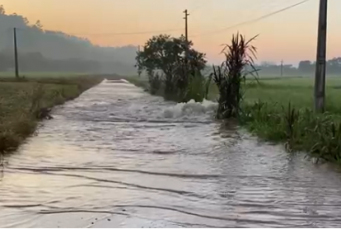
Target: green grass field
(298, 91)
(281, 110)
(23, 101)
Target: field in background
(42, 74)
(297, 90)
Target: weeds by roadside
(26, 101)
(299, 129)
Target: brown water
(118, 157)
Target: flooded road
(118, 157)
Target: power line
(199, 6)
(245, 7)
(180, 29)
(253, 20)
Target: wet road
(118, 157)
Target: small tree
(166, 54)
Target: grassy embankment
(280, 110)
(26, 101)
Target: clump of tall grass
(298, 129)
(229, 76)
(328, 142)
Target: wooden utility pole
(186, 36)
(16, 53)
(320, 73)
(186, 24)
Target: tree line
(304, 68)
(46, 50)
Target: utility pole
(186, 24)
(320, 72)
(282, 68)
(16, 53)
(186, 36)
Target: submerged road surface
(118, 157)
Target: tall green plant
(239, 59)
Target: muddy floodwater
(118, 157)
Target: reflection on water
(118, 157)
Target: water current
(118, 157)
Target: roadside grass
(281, 111)
(24, 102)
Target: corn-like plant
(239, 62)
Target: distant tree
(167, 53)
(38, 25)
(305, 66)
(26, 21)
(334, 65)
(2, 10)
(267, 63)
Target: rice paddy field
(298, 91)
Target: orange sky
(290, 35)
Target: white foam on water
(126, 81)
(116, 81)
(190, 108)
